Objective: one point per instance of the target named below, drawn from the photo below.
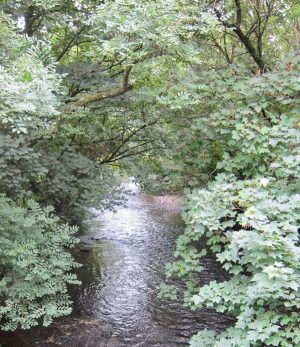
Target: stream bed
(124, 256)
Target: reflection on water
(117, 305)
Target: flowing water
(124, 255)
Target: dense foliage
(35, 267)
(179, 94)
(249, 216)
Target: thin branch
(221, 49)
(130, 155)
(71, 43)
(126, 140)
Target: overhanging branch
(112, 93)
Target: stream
(124, 256)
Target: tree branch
(244, 39)
(117, 152)
(128, 155)
(71, 43)
(221, 49)
(112, 93)
(238, 13)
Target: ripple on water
(117, 304)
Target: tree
(87, 86)
(32, 238)
(249, 213)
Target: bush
(249, 216)
(35, 266)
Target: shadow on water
(123, 256)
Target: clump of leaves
(250, 215)
(34, 265)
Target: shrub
(35, 266)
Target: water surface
(124, 256)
